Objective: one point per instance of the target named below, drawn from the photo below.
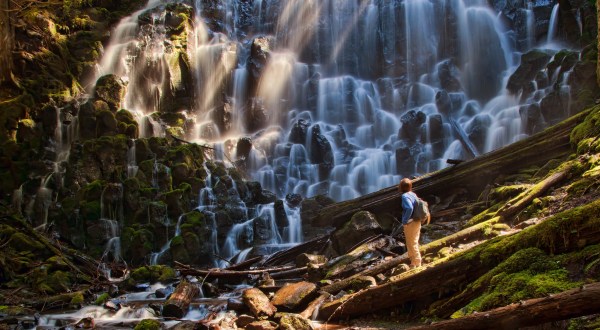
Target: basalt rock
(256, 115)
(521, 81)
(260, 53)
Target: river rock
(294, 296)
(243, 320)
(258, 303)
(185, 325)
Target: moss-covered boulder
(362, 225)
(137, 243)
(149, 324)
(110, 89)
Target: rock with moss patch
(149, 324)
(294, 322)
(110, 89)
(362, 225)
(258, 303)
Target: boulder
(294, 296)
(260, 52)
(256, 115)
(258, 303)
(449, 76)
(362, 225)
(521, 81)
(261, 325)
(222, 116)
(110, 89)
(294, 322)
(243, 147)
(411, 124)
(298, 132)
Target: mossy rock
(156, 273)
(93, 191)
(590, 127)
(148, 324)
(110, 89)
(91, 211)
(21, 242)
(137, 244)
(106, 123)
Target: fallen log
(290, 273)
(245, 264)
(464, 139)
(569, 304)
(178, 303)
(520, 202)
(472, 175)
(458, 237)
(563, 232)
(354, 259)
(221, 273)
(309, 312)
(289, 255)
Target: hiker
(412, 229)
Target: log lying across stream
(470, 177)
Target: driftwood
(178, 303)
(245, 264)
(290, 273)
(472, 175)
(221, 273)
(569, 304)
(289, 255)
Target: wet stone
(243, 320)
(293, 296)
(294, 322)
(261, 325)
(258, 303)
(305, 258)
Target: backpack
(421, 211)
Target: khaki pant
(412, 231)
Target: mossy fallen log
(569, 304)
(471, 176)
(563, 232)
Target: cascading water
(337, 97)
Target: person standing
(412, 229)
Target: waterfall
(341, 98)
(552, 25)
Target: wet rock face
(260, 53)
(256, 114)
(294, 322)
(521, 82)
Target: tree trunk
(178, 303)
(472, 176)
(7, 37)
(569, 304)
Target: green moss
(505, 192)
(93, 191)
(589, 128)
(91, 211)
(77, 299)
(528, 273)
(102, 299)
(148, 325)
(21, 242)
(154, 273)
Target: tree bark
(221, 273)
(569, 304)
(310, 309)
(7, 37)
(472, 176)
(178, 303)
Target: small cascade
(41, 204)
(156, 256)
(553, 24)
(111, 217)
(132, 167)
